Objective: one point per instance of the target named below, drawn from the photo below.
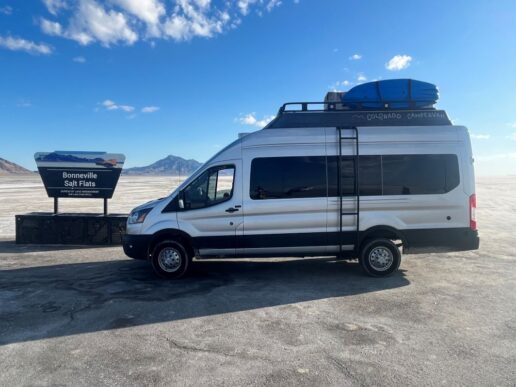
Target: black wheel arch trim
(174, 234)
(382, 231)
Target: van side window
(396, 175)
(212, 187)
(288, 177)
(452, 172)
(419, 174)
(370, 175)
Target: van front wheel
(170, 260)
(380, 257)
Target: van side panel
(438, 220)
(467, 161)
(283, 226)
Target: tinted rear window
(370, 175)
(419, 174)
(316, 176)
(396, 175)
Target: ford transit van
(364, 177)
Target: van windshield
(202, 167)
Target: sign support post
(105, 206)
(56, 205)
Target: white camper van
(322, 179)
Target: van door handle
(231, 209)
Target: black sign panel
(79, 174)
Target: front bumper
(137, 246)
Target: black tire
(380, 257)
(170, 260)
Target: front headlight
(138, 216)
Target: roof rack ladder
(356, 165)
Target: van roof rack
(330, 106)
(336, 114)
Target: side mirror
(181, 203)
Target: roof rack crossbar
(334, 105)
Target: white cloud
(111, 105)
(361, 78)
(92, 22)
(19, 44)
(148, 11)
(54, 6)
(511, 124)
(150, 109)
(79, 59)
(272, 4)
(177, 28)
(335, 87)
(203, 3)
(51, 28)
(191, 19)
(512, 136)
(6, 10)
(127, 21)
(478, 136)
(251, 120)
(355, 57)
(244, 5)
(398, 62)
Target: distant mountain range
(10, 168)
(169, 166)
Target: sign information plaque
(67, 174)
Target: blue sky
(150, 78)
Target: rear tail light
(473, 212)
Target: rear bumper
(472, 240)
(136, 246)
(450, 239)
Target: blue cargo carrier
(393, 102)
(392, 94)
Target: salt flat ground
(23, 194)
(89, 316)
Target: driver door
(212, 209)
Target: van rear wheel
(380, 257)
(170, 260)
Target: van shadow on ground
(68, 299)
